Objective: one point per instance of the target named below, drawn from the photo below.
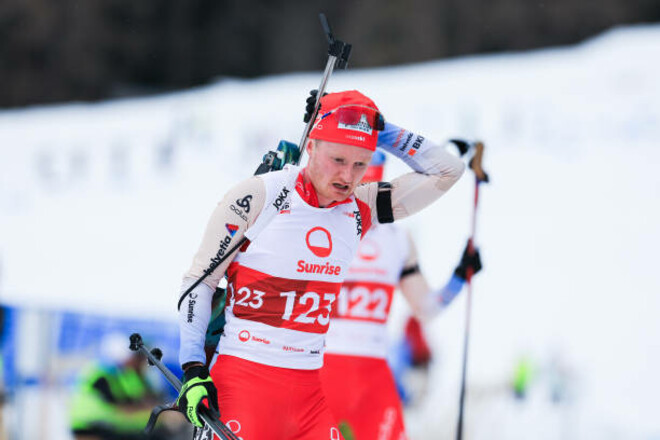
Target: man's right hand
(471, 261)
(311, 103)
(197, 386)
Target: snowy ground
(102, 206)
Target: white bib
(358, 326)
(282, 289)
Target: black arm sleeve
(384, 203)
(409, 271)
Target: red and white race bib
(282, 288)
(358, 326)
(280, 302)
(364, 301)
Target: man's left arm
(425, 302)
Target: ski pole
(338, 54)
(154, 356)
(480, 176)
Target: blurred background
(122, 124)
(77, 50)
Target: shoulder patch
(231, 229)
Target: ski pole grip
(338, 54)
(154, 356)
(326, 28)
(153, 359)
(476, 161)
(136, 342)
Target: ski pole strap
(214, 265)
(155, 413)
(475, 162)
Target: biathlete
(357, 380)
(304, 226)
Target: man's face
(335, 169)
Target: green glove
(197, 386)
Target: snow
(102, 206)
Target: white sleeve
(240, 208)
(194, 315)
(415, 287)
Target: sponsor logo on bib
(368, 250)
(358, 222)
(281, 203)
(319, 241)
(234, 426)
(324, 269)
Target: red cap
(347, 118)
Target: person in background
(113, 398)
(356, 378)
(409, 359)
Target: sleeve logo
(231, 229)
(245, 202)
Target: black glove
(462, 146)
(197, 386)
(473, 261)
(311, 102)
